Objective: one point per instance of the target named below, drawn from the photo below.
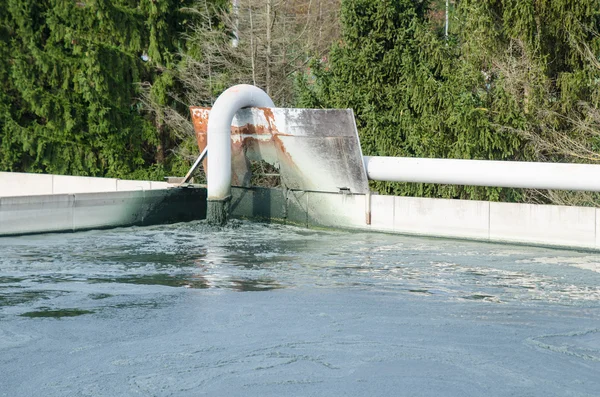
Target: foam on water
(253, 309)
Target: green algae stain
(56, 313)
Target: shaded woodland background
(101, 88)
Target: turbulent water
(268, 310)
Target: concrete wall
(480, 220)
(547, 225)
(82, 211)
(14, 184)
(27, 207)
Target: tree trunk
(269, 44)
(159, 156)
(252, 51)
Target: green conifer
(70, 73)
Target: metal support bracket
(188, 176)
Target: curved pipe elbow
(219, 135)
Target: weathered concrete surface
(96, 211)
(26, 214)
(62, 184)
(20, 184)
(71, 212)
(14, 184)
(543, 224)
(128, 185)
(546, 225)
(337, 210)
(297, 208)
(314, 150)
(440, 217)
(260, 204)
(574, 227)
(383, 220)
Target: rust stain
(248, 141)
(200, 122)
(320, 157)
(199, 119)
(285, 157)
(250, 129)
(270, 117)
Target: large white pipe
(218, 177)
(515, 174)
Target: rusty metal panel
(314, 150)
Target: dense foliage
(69, 76)
(478, 94)
(102, 87)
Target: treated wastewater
(270, 310)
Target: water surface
(270, 310)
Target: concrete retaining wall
(26, 207)
(480, 220)
(547, 225)
(82, 211)
(13, 184)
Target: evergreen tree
(515, 80)
(541, 59)
(69, 83)
(541, 53)
(411, 94)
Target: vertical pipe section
(219, 145)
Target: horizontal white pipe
(515, 174)
(218, 176)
